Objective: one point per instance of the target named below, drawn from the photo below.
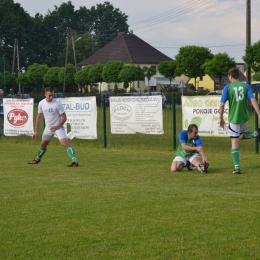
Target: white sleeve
(40, 108)
(60, 108)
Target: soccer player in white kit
(55, 117)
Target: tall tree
(219, 66)
(107, 21)
(252, 56)
(189, 61)
(167, 69)
(15, 23)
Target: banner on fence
(82, 116)
(137, 114)
(204, 112)
(18, 117)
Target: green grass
(126, 204)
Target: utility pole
(248, 37)
(16, 54)
(69, 37)
(66, 63)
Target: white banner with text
(81, 116)
(136, 114)
(204, 112)
(18, 116)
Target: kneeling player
(189, 149)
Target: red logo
(17, 117)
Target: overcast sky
(219, 25)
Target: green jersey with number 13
(237, 94)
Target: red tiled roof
(127, 48)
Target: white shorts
(235, 130)
(184, 160)
(48, 134)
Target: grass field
(126, 204)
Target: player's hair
(234, 73)
(49, 89)
(191, 127)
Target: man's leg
(178, 164)
(235, 155)
(71, 152)
(40, 153)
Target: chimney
(120, 33)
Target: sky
(167, 25)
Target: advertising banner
(137, 114)
(204, 112)
(82, 116)
(18, 117)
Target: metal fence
(172, 124)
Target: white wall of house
(141, 86)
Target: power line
(183, 17)
(165, 13)
(193, 6)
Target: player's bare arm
(256, 107)
(37, 125)
(192, 148)
(221, 112)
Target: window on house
(201, 78)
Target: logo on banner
(17, 117)
(122, 112)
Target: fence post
(104, 121)
(256, 125)
(173, 121)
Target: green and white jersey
(237, 94)
(184, 138)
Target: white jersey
(51, 111)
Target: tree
(82, 76)
(35, 74)
(15, 24)
(219, 65)
(95, 73)
(25, 83)
(252, 56)
(167, 69)
(51, 78)
(111, 72)
(256, 76)
(148, 73)
(189, 61)
(70, 77)
(10, 81)
(107, 21)
(130, 73)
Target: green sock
(235, 157)
(71, 153)
(250, 134)
(40, 153)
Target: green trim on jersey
(183, 153)
(237, 96)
